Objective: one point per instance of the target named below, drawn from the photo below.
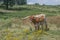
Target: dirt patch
(54, 19)
(54, 22)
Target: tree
(43, 4)
(11, 3)
(36, 3)
(21, 2)
(8, 3)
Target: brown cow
(38, 20)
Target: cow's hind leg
(42, 27)
(46, 27)
(41, 24)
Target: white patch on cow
(40, 15)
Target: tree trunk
(7, 4)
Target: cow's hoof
(47, 29)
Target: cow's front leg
(37, 26)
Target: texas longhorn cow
(38, 20)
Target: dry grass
(54, 20)
(21, 30)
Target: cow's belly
(39, 20)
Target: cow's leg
(42, 26)
(36, 26)
(46, 27)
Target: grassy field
(12, 27)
